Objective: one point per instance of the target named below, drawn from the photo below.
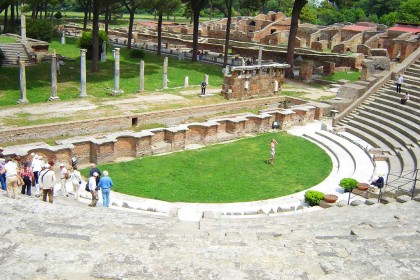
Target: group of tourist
(406, 97)
(40, 175)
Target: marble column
(23, 25)
(103, 53)
(53, 77)
(260, 56)
(63, 37)
(22, 82)
(206, 79)
(117, 89)
(83, 73)
(276, 86)
(186, 81)
(165, 73)
(141, 80)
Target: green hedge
(40, 29)
(86, 40)
(314, 197)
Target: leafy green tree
(40, 29)
(163, 7)
(195, 6)
(409, 11)
(379, 7)
(131, 6)
(309, 14)
(353, 15)
(327, 13)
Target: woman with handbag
(28, 176)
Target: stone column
(141, 80)
(260, 56)
(103, 53)
(23, 25)
(53, 78)
(276, 86)
(243, 61)
(165, 73)
(306, 70)
(22, 82)
(206, 79)
(63, 37)
(83, 73)
(117, 89)
(186, 81)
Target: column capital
(83, 51)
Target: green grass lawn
(229, 172)
(346, 75)
(99, 85)
(6, 39)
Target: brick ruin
(246, 82)
(162, 140)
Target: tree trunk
(90, 9)
(229, 21)
(46, 9)
(95, 36)
(5, 22)
(160, 20)
(107, 19)
(12, 16)
(297, 8)
(195, 5)
(130, 27)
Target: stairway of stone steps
(11, 52)
(386, 124)
(66, 241)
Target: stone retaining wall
(162, 140)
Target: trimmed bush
(58, 15)
(85, 42)
(2, 57)
(313, 198)
(135, 53)
(348, 184)
(40, 29)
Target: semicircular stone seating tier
(68, 240)
(392, 127)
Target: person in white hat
(92, 189)
(36, 166)
(47, 181)
(64, 176)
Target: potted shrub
(314, 197)
(348, 184)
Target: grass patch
(99, 85)
(347, 75)
(224, 173)
(6, 40)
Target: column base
(117, 92)
(53, 98)
(83, 95)
(20, 101)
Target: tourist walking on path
(94, 169)
(64, 176)
(28, 176)
(47, 181)
(400, 80)
(11, 170)
(2, 176)
(76, 180)
(36, 166)
(93, 190)
(273, 144)
(105, 184)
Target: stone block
(324, 204)
(403, 198)
(212, 215)
(356, 202)
(371, 201)
(342, 203)
(306, 70)
(379, 52)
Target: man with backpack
(47, 181)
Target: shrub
(314, 197)
(85, 42)
(2, 57)
(348, 183)
(58, 15)
(135, 53)
(40, 29)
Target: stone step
(390, 101)
(385, 113)
(395, 130)
(391, 108)
(395, 165)
(412, 91)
